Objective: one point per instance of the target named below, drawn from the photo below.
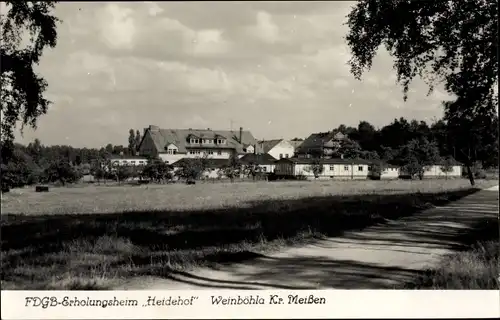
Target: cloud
(127, 65)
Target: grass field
(94, 237)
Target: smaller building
(278, 148)
(264, 161)
(124, 160)
(342, 169)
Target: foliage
(192, 169)
(21, 94)
(132, 147)
(417, 155)
(124, 172)
(447, 165)
(316, 167)
(157, 170)
(233, 168)
(62, 171)
(440, 41)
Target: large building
(171, 145)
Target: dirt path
(378, 257)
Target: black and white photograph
(249, 145)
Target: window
(264, 169)
(171, 151)
(132, 162)
(346, 168)
(140, 161)
(219, 153)
(286, 155)
(210, 152)
(281, 155)
(360, 168)
(332, 168)
(369, 168)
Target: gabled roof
(179, 137)
(267, 145)
(260, 159)
(317, 140)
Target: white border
(338, 304)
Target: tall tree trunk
(470, 174)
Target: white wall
(171, 158)
(435, 171)
(329, 170)
(128, 162)
(389, 173)
(284, 147)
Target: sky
(278, 69)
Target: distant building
(332, 168)
(124, 160)
(320, 145)
(264, 161)
(278, 148)
(171, 145)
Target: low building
(345, 169)
(264, 161)
(124, 160)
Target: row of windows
(219, 153)
(131, 161)
(218, 141)
(346, 168)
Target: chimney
(241, 133)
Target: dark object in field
(41, 189)
(190, 182)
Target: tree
(233, 167)
(21, 93)
(131, 142)
(447, 165)
(473, 134)
(417, 156)
(123, 173)
(316, 167)
(439, 41)
(62, 171)
(138, 140)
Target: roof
(261, 159)
(179, 137)
(296, 143)
(267, 145)
(326, 161)
(211, 163)
(316, 140)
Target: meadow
(94, 237)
